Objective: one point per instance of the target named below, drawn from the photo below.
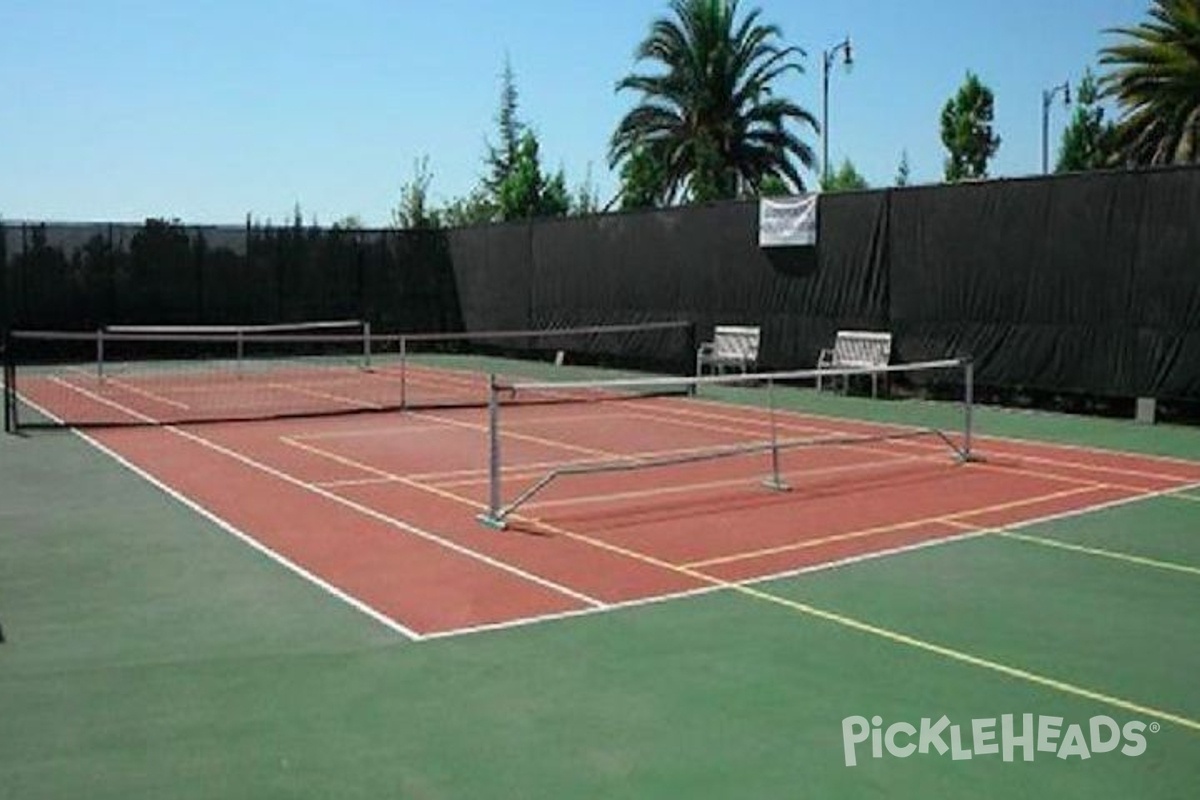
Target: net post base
(491, 521)
(776, 485)
(970, 458)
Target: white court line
(241, 535)
(522, 622)
(364, 510)
(825, 566)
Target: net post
(493, 518)
(241, 350)
(366, 331)
(100, 354)
(775, 480)
(968, 407)
(692, 342)
(10, 387)
(403, 371)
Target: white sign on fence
(787, 221)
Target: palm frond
(1155, 80)
(712, 95)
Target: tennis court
(690, 593)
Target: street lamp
(827, 60)
(1047, 99)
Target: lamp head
(1067, 93)
(849, 61)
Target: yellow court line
(1117, 555)
(386, 476)
(743, 428)
(476, 426)
(378, 481)
(441, 423)
(865, 627)
(887, 633)
(149, 395)
(966, 658)
(813, 611)
(353, 403)
(947, 519)
(346, 462)
(599, 414)
(373, 432)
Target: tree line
(710, 123)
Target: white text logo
(1028, 734)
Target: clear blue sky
(207, 111)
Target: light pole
(1047, 99)
(827, 59)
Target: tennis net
(163, 375)
(342, 326)
(770, 434)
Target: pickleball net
(770, 438)
(165, 375)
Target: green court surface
(149, 654)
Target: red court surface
(380, 509)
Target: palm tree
(1156, 82)
(710, 119)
